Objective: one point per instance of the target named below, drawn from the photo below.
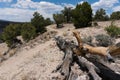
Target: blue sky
(22, 10)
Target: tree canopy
(115, 15)
(59, 18)
(67, 12)
(100, 15)
(39, 22)
(10, 33)
(28, 31)
(82, 15)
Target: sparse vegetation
(88, 40)
(82, 15)
(13, 30)
(100, 40)
(48, 21)
(115, 15)
(59, 19)
(67, 12)
(28, 32)
(95, 24)
(10, 33)
(104, 40)
(1, 38)
(100, 15)
(38, 22)
(113, 30)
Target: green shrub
(113, 30)
(88, 40)
(100, 15)
(82, 15)
(48, 22)
(104, 40)
(67, 12)
(59, 19)
(10, 33)
(95, 23)
(28, 32)
(115, 15)
(38, 22)
(1, 38)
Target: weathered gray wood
(77, 74)
(92, 69)
(64, 68)
(95, 70)
(105, 72)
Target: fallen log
(95, 70)
(65, 69)
(91, 68)
(105, 72)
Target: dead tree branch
(74, 54)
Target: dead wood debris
(86, 69)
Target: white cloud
(15, 14)
(37, 5)
(116, 8)
(68, 5)
(80, 2)
(23, 10)
(49, 7)
(106, 4)
(28, 0)
(5, 0)
(44, 8)
(25, 4)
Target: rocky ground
(36, 59)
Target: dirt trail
(41, 59)
(36, 62)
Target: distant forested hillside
(4, 23)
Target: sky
(22, 10)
